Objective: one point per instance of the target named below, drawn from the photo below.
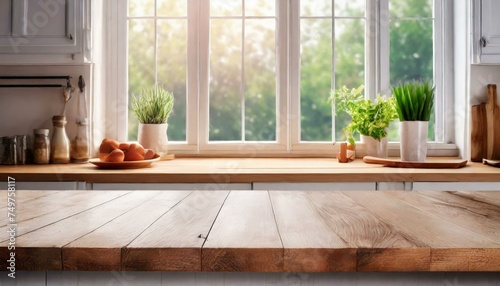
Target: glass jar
(80, 145)
(59, 146)
(10, 150)
(41, 146)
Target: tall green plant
(153, 105)
(368, 118)
(414, 100)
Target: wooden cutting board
(444, 164)
(485, 128)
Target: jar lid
(41, 131)
(59, 118)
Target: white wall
(25, 109)
(481, 76)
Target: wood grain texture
(479, 133)
(376, 242)
(430, 231)
(245, 236)
(101, 249)
(32, 214)
(493, 124)
(51, 238)
(233, 170)
(465, 259)
(319, 249)
(478, 217)
(174, 241)
(261, 231)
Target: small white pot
(413, 138)
(154, 136)
(375, 147)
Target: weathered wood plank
(428, 229)
(40, 250)
(173, 242)
(483, 196)
(245, 236)
(35, 213)
(101, 249)
(375, 239)
(50, 209)
(478, 217)
(465, 259)
(311, 245)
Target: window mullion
(294, 73)
(193, 88)
(282, 90)
(204, 70)
(243, 84)
(383, 26)
(333, 82)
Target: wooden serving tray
(444, 164)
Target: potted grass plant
(369, 118)
(153, 107)
(414, 104)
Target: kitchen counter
(255, 231)
(247, 170)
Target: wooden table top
(254, 231)
(248, 170)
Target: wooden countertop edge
(248, 171)
(284, 260)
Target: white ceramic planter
(375, 147)
(413, 138)
(154, 136)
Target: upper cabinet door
(5, 18)
(489, 40)
(41, 27)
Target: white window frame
(287, 99)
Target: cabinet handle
(483, 42)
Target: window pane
(172, 72)
(141, 63)
(350, 8)
(260, 80)
(225, 80)
(349, 63)
(411, 8)
(141, 8)
(260, 8)
(315, 79)
(226, 8)
(411, 51)
(316, 8)
(172, 8)
(411, 58)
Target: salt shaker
(59, 149)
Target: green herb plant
(414, 100)
(153, 105)
(368, 118)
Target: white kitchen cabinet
(456, 186)
(487, 31)
(171, 186)
(315, 186)
(42, 27)
(54, 186)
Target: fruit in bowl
(113, 151)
